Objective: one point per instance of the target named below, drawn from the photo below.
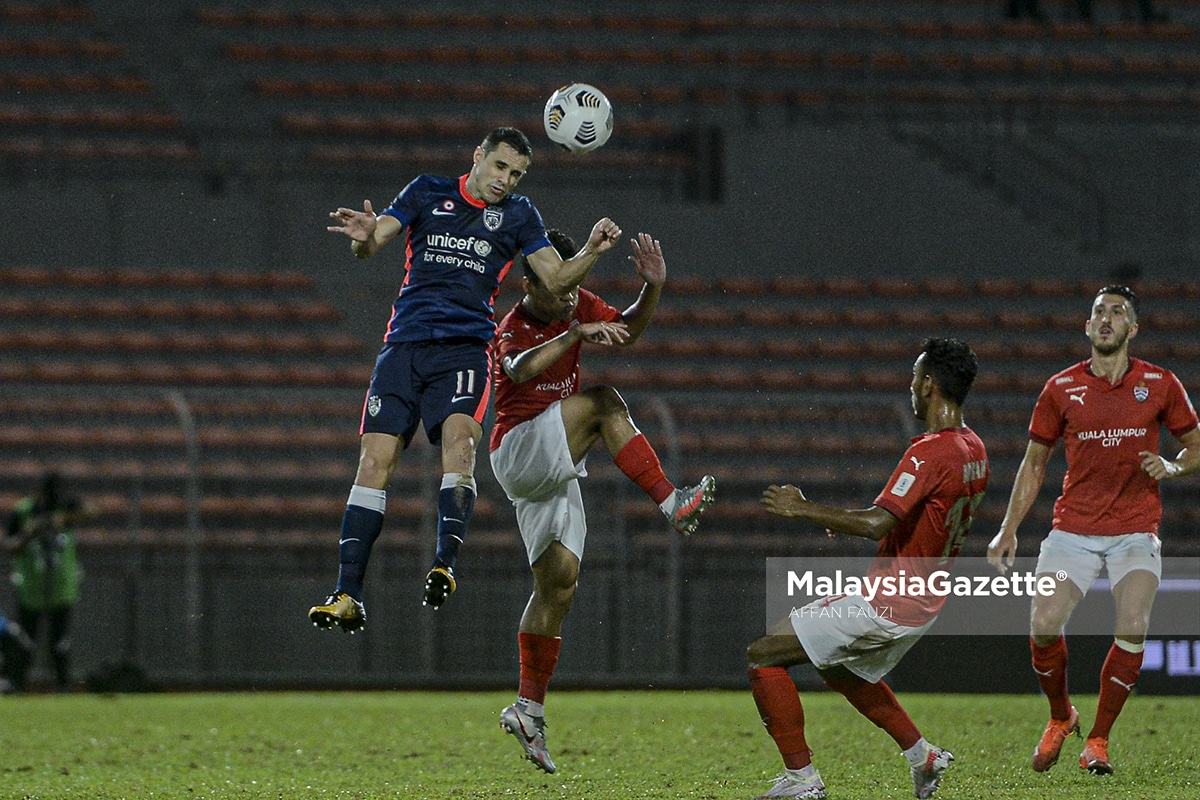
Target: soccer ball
(578, 118)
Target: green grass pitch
(643, 744)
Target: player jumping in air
(463, 234)
(1108, 411)
(920, 520)
(545, 426)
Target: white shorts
(533, 465)
(847, 631)
(1081, 557)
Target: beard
(1108, 348)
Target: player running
(544, 428)
(463, 234)
(1108, 411)
(920, 520)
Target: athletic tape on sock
(454, 479)
(370, 499)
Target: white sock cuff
(454, 479)
(370, 499)
(916, 754)
(1129, 647)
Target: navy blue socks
(361, 525)
(456, 504)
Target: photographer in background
(45, 574)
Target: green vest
(46, 571)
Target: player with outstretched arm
(920, 520)
(545, 426)
(463, 235)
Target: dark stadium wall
(845, 199)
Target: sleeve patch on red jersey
(903, 484)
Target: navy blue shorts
(426, 382)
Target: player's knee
(1046, 621)
(557, 589)
(758, 654)
(1132, 627)
(607, 401)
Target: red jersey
(933, 492)
(518, 332)
(1105, 491)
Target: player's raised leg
(362, 523)
(600, 412)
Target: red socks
(1050, 664)
(780, 709)
(638, 460)
(539, 657)
(1117, 677)
(876, 702)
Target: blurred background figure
(46, 576)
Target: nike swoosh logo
(437, 212)
(450, 519)
(462, 397)
(343, 541)
(1045, 674)
(1127, 686)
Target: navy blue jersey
(457, 251)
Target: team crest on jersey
(373, 405)
(492, 218)
(1141, 392)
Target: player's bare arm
(1002, 550)
(648, 260)
(367, 232)
(559, 276)
(870, 523)
(536, 360)
(1186, 461)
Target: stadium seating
(68, 91)
(757, 387)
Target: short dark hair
(561, 242)
(511, 137)
(1123, 291)
(953, 366)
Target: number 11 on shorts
(465, 385)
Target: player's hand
(605, 234)
(606, 333)
(786, 501)
(358, 225)
(1002, 551)
(1158, 467)
(648, 260)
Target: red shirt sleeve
(1180, 414)
(1046, 426)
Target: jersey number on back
(958, 524)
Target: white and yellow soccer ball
(578, 118)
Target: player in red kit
(545, 426)
(920, 520)
(1108, 411)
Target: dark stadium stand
(68, 90)
(767, 381)
(772, 366)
